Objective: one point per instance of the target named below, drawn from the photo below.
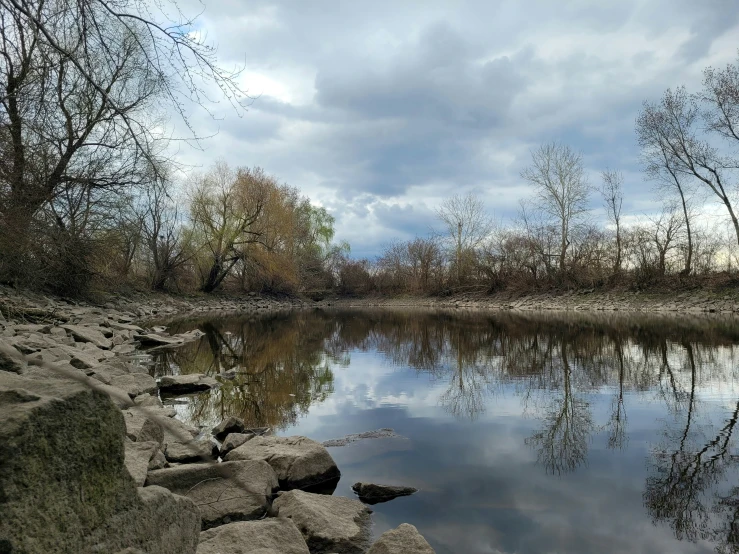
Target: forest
(93, 196)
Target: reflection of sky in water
(488, 484)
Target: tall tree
(467, 225)
(561, 189)
(613, 198)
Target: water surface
(525, 434)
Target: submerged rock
(299, 462)
(268, 536)
(227, 492)
(370, 493)
(378, 434)
(328, 523)
(405, 539)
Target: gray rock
(189, 452)
(177, 431)
(185, 384)
(229, 425)
(148, 400)
(231, 491)
(138, 456)
(370, 493)
(268, 536)
(151, 339)
(405, 539)
(142, 428)
(234, 440)
(92, 335)
(10, 363)
(158, 461)
(135, 384)
(54, 499)
(328, 523)
(299, 462)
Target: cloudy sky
(379, 110)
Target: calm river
(526, 434)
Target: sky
(379, 110)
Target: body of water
(526, 434)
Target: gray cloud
(379, 110)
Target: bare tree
(83, 89)
(670, 130)
(467, 225)
(562, 191)
(613, 198)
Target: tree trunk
(689, 258)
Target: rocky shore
(92, 461)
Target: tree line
(90, 196)
(688, 150)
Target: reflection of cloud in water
(493, 405)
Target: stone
(124, 326)
(138, 456)
(370, 493)
(173, 385)
(234, 440)
(11, 363)
(135, 384)
(158, 461)
(66, 488)
(227, 492)
(189, 452)
(299, 462)
(148, 400)
(328, 523)
(177, 431)
(404, 539)
(142, 428)
(268, 536)
(151, 339)
(92, 335)
(229, 425)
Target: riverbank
(92, 460)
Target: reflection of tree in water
(562, 442)
(284, 363)
(279, 362)
(689, 471)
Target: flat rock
(92, 335)
(10, 363)
(234, 440)
(135, 384)
(189, 452)
(138, 456)
(227, 492)
(229, 425)
(328, 523)
(185, 384)
(299, 462)
(268, 536)
(152, 339)
(370, 493)
(404, 539)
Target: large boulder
(173, 385)
(328, 523)
(63, 483)
(268, 536)
(299, 462)
(140, 427)
(191, 451)
(405, 539)
(135, 384)
(233, 441)
(370, 493)
(231, 491)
